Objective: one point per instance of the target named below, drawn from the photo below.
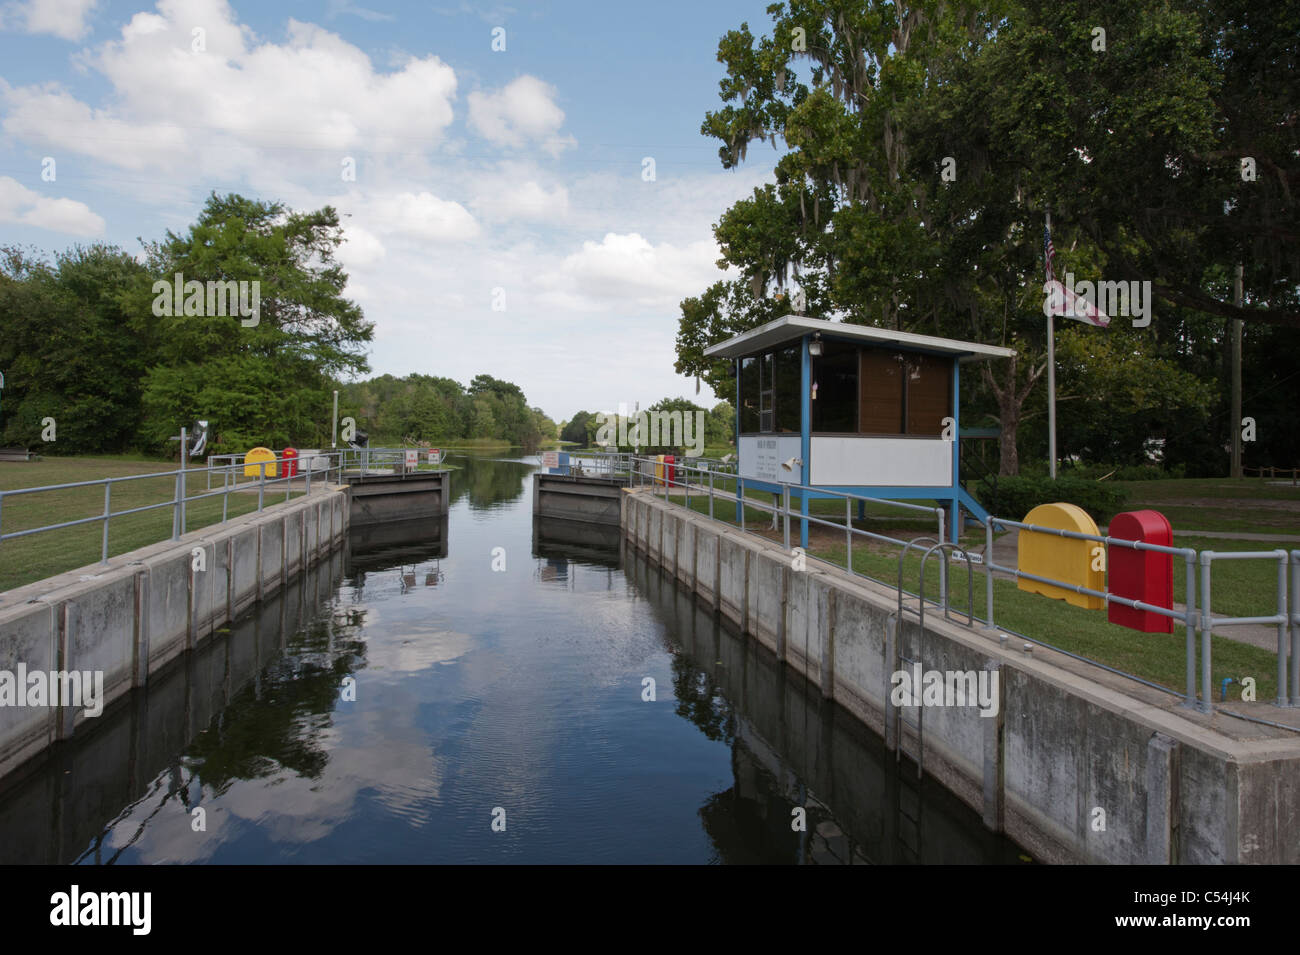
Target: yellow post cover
(1082, 563)
(659, 469)
(252, 462)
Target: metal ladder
(901, 724)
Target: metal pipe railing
(179, 498)
(1194, 620)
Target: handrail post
(710, 494)
(185, 488)
(1207, 629)
(261, 485)
(988, 572)
(1295, 627)
(176, 508)
(108, 490)
(225, 495)
(943, 567)
(1189, 624)
(1282, 628)
(785, 514)
(848, 534)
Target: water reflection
(488, 482)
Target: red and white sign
(435, 455)
(550, 459)
(412, 459)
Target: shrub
(1014, 497)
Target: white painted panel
(761, 456)
(882, 462)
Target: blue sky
(511, 177)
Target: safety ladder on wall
(913, 661)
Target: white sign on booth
(550, 459)
(761, 457)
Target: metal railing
(1196, 621)
(180, 496)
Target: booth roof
(793, 327)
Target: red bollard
(1144, 575)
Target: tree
(259, 382)
(575, 430)
(64, 351)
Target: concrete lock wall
(147, 607)
(1173, 788)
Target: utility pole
(1235, 423)
(334, 429)
(1051, 381)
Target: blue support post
(805, 434)
(955, 531)
(739, 500)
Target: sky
(498, 206)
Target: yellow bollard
(253, 462)
(1078, 562)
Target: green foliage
(83, 340)
(1014, 497)
(64, 351)
(440, 410)
(262, 383)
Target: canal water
(481, 690)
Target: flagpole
(1051, 380)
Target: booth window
(859, 391)
(789, 382)
(836, 375)
(748, 395)
(769, 391)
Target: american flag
(1049, 251)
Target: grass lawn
(1250, 505)
(27, 559)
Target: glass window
(835, 375)
(749, 396)
(789, 385)
(766, 393)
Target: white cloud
(629, 269)
(22, 206)
(360, 249)
(65, 19)
(419, 216)
(521, 112)
(512, 194)
(233, 107)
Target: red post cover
(290, 458)
(1142, 575)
